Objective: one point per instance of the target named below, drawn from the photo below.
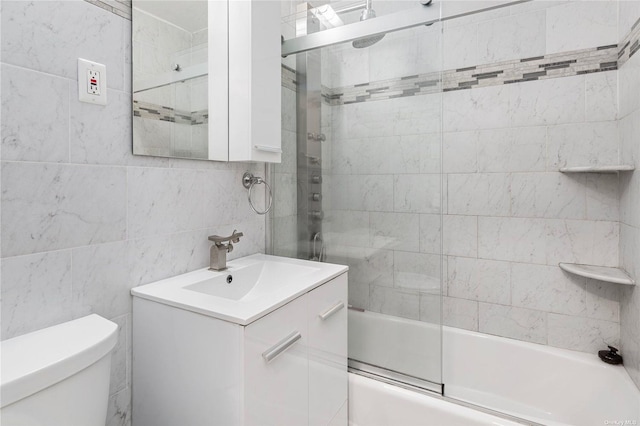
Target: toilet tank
(58, 376)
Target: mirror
(170, 78)
(188, 57)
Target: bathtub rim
(441, 397)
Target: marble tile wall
(84, 220)
(509, 215)
(629, 89)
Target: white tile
(628, 14)
(479, 279)
(98, 133)
(515, 323)
(430, 235)
(67, 206)
(72, 30)
(602, 197)
(476, 109)
(371, 192)
(601, 95)
(35, 112)
(350, 66)
(370, 266)
(573, 26)
(417, 193)
(158, 257)
(582, 144)
(431, 308)
(629, 248)
(396, 55)
(102, 280)
(460, 313)
(551, 101)
(119, 409)
(398, 231)
(514, 239)
(288, 99)
(603, 301)
(582, 241)
(459, 152)
(430, 51)
(552, 195)
(430, 153)
(36, 292)
(547, 288)
(460, 46)
(417, 271)
(582, 334)
(118, 379)
(629, 86)
(396, 302)
(351, 228)
(460, 235)
(512, 150)
(512, 37)
(479, 194)
(284, 195)
(163, 201)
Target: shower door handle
(331, 311)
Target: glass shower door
(361, 185)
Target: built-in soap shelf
(598, 169)
(600, 273)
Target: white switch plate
(92, 82)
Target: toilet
(58, 376)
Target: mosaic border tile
(630, 45)
(565, 64)
(151, 111)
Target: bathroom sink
(250, 288)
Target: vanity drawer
(276, 367)
(327, 319)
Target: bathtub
(534, 382)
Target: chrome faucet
(218, 254)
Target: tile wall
(509, 216)
(83, 220)
(629, 90)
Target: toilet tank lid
(34, 361)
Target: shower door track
(394, 377)
(424, 15)
(425, 387)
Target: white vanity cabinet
(287, 368)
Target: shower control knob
(316, 179)
(316, 197)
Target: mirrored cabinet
(206, 79)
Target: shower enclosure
(443, 152)
(360, 180)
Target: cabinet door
(328, 378)
(276, 367)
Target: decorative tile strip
(163, 113)
(565, 64)
(630, 45)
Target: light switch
(92, 82)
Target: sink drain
(229, 279)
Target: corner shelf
(600, 273)
(598, 169)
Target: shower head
(367, 13)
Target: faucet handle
(235, 237)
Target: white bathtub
(535, 382)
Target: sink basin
(250, 288)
